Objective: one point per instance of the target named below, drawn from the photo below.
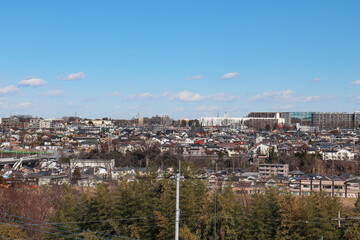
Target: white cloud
(72, 76)
(223, 97)
(188, 96)
(313, 98)
(358, 97)
(54, 92)
(316, 79)
(185, 96)
(230, 75)
(8, 89)
(117, 107)
(24, 105)
(32, 82)
(285, 107)
(287, 94)
(207, 108)
(147, 95)
(194, 77)
(357, 82)
(118, 93)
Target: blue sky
(183, 58)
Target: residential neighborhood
(85, 152)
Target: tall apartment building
(323, 120)
(333, 120)
(356, 119)
(285, 115)
(38, 123)
(14, 122)
(303, 118)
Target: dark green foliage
(145, 209)
(262, 216)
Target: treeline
(145, 209)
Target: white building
(227, 121)
(221, 121)
(342, 154)
(38, 123)
(104, 163)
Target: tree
(10, 231)
(191, 123)
(229, 212)
(2, 180)
(197, 123)
(318, 209)
(77, 173)
(273, 156)
(267, 127)
(183, 123)
(71, 210)
(262, 216)
(100, 211)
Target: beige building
(333, 187)
(269, 169)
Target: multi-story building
(221, 121)
(14, 122)
(356, 119)
(341, 155)
(323, 120)
(38, 123)
(331, 186)
(268, 169)
(333, 120)
(303, 118)
(269, 115)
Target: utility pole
(177, 217)
(215, 200)
(215, 236)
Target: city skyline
(186, 59)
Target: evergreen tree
(70, 211)
(316, 213)
(98, 215)
(12, 232)
(262, 216)
(229, 214)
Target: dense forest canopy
(145, 209)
